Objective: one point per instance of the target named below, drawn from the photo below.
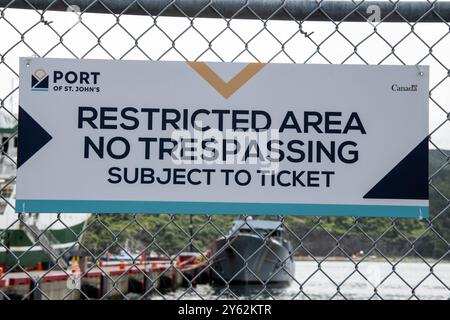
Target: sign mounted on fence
(225, 138)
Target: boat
(38, 237)
(253, 252)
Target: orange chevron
(226, 89)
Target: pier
(104, 280)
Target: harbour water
(409, 278)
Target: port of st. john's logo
(39, 80)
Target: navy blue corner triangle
(407, 180)
(32, 137)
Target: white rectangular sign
(225, 138)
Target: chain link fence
(144, 256)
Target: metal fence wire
(105, 256)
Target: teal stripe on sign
(99, 206)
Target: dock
(104, 280)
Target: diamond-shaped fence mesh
(106, 256)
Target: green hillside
(170, 234)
